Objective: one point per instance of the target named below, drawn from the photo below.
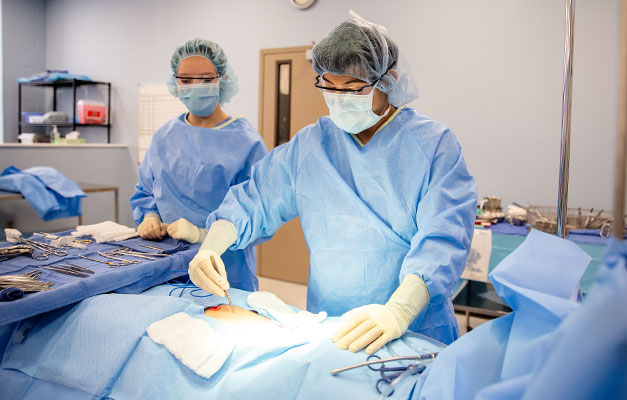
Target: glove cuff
(220, 236)
(411, 297)
(151, 216)
(202, 234)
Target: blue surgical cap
(214, 53)
(363, 50)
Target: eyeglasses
(187, 80)
(361, 90)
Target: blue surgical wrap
(11, 294)
(550, 346)
(187, 171)
(50, 193)
(100, 346)
(596, 333)
(67, 289)
(403, 203)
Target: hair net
(214, 53)
(363, 50)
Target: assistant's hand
(220, 236)
(374, 325)
(185, 230)
(151, 228)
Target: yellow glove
(220, 236)
(374, 325)
(185, 230)
(151, 228)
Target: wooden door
(288, 101)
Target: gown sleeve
(260, 205)
(257, 151)
(445, 220)
(143, 200)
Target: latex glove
(151, 228)
(220, 236)
(185, 230)
(374, 325)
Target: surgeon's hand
(185, 230)
(374, 325)
(151, 228)
(220, 236)
(204, 275)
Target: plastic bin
(91, 112)
(32, 117)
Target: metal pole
(621, 142)
(562, 199)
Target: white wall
(490, 69)
(23, 54)
(1, 84)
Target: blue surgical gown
(187, 171)
(403, 203)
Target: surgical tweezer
(109, 263)
(123, 261)
(151, 247)
(131, 254)
(65, 271)
(427, 356)
(76, 268)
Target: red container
(91, 112)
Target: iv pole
(621, 139)
(562, 199)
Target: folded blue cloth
(10, 294)
(49, 192)
(551, 346)
(52, 76)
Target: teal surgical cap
(214, 53)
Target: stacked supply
(107, 231)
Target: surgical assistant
(195, 158)
(385, 199)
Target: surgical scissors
(396, 372)
(44, 249)
(427, 356)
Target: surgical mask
(351, 113)
(199, 98)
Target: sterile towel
(193, 342)
(107, 231)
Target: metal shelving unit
(69, 83)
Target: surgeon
(195, 158)
(385, 199)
